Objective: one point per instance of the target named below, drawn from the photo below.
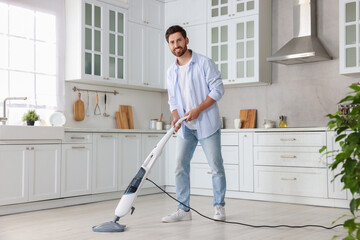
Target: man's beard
(180, 53)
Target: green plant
(347, 128)
(30, 116)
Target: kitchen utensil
(105, 114)
(57, 119)
(87, 105)
(79, 109)
(97, 108)
(248, 118)
(124, 118)
(161, 116)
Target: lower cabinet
(105, 163)
(76, 169)
(29, 173)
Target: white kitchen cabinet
(29, 173)
(228, 9)
(170, 159)
(76, 168)
(239, 47)
(246, 162)
(147, 12)
(335, 186)
(96, 42)
(185, 13)
(149, 142)
(44, 172)
(145, 56)
(105, 163)
(14, 174)
(348, 38)
(130, 158)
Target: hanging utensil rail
(97, 91)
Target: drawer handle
(77, 137)
(208, 172)
(288, 179)
(288, 156)
(287, 139)
(106, 136)
(152, 136)
(130, 136)
(78, 147)
(174, 136)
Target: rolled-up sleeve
(213, 78)
(171, 92)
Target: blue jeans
(212, 148)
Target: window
(29, 59)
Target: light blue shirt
(204, 80)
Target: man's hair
(175, 29)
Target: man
(194, 86)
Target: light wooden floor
(75, 222)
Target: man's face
(178, 44)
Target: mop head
(109, 227)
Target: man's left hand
(193, 114)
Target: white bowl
(57, 119)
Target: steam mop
(125, 204)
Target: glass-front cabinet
(349, 18)
(225, 9)
(98, 51)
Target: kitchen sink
(13, 132)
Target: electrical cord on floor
(245, 224)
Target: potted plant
(346, 124)
(30, 117)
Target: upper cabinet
(349, 41)
(239, 45)
(95, 41)
(185, 13)
(225, 9)
(149, 12)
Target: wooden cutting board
(248, 118)
(124, 118)
(79, 109)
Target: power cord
(245, 224)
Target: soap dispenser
(282, 123)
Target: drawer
(75, 137)
(289, 156)
(305, 139)
(230, 155)
(229, 139)
(309, 182)
(201, 177)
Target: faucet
(4, 118)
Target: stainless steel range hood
(305, 46)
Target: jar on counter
(152, 124)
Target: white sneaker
(219, 213)
(179, 215)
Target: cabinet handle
(77, 137)
(78, 147)
(229, 15)
(288, 179)
(287, 139)
(153, 136)
(130, 136)
(27, 148)
(245, 135)
(106, 136)
(288, 156)
(174, 136)
(208, 172)
(32, 148)
(233, 14)
(146, 83)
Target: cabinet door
(335, 186)
(153, 13)
(170, 161)
(174, 13)
(149, 141)
(117, 32)
(153, 57)
(129, 158)
(227, 9)
(246, 162)
(136, 54)
(76, 169)
(44, 172)
(13, 174)
(93, 40)
(185, 13)
(105, 163)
